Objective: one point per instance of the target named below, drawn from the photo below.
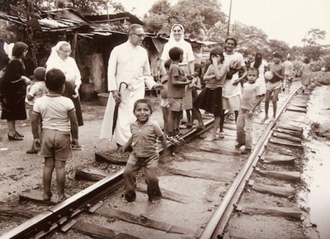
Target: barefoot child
(176, 91)
(163, 93)
(145, 133)
(35, 91)
(58, 116)
(251, 98)
(273, 86)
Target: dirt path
(20, 171)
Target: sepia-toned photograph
(172, 119)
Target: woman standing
(306, 74)
(14, 90)
(232, 90)
(177, 40)
(60, 59)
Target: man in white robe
(128, 63)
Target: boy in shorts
(175, 93)
(273, 86)
(59, 124)
(163, 93)
(251, 98)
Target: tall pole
(231, 1)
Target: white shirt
(130, 64)
(54, 111)
(68, 67)
(230, 90)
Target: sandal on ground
(171, 139)
(76, 147)
(246, 151)
(14, 137)
(32, 151)
(221, 135)
(18, 134)
(239, 145)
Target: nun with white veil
(177, 40)
(60, 59)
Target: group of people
(181, 91)
(227, 85)
(51, 94)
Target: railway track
(205, 187)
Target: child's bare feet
(63, 197)
(47, 196)
(155, 200)
(264, 119)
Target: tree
(250, 39)
(313, 52)
(157, 19)
(313, 36)
(312, 49)
(279, 46)
(162, 15)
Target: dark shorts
(56, 144)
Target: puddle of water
(317, 170)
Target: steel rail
(221, 216)
(55, 217)
(47, 221)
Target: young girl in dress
(260, 64)
(196, 83)
(210, 99)
(306, 74)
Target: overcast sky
(286, 20)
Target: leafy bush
(327, 62)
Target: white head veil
(172, 42)
(54, 58)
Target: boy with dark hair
(59, 123)
(144, 141)
(251, 98)
(176, 91)
(273, 86)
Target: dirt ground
(20, 171)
